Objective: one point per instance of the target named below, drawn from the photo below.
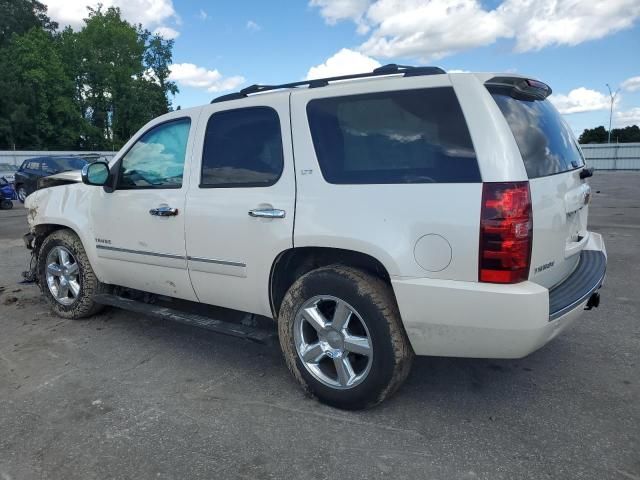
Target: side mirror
(95, 173)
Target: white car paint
(231, 253)
(444, 308)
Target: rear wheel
(6, 204)
(66, 277)
(342, 337)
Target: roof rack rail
(390, 69)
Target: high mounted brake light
(521, 87)
(506, 232)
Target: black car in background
(31, 170)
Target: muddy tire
(342, 337)
(66, 277)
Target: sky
(575, 46)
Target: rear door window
(406, 136)
(546, 143)
(242, 148)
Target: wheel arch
(43, 230)
(292, 263)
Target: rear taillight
(506, 232)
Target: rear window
(546, 143)
(64, 164)
(407, 136)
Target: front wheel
(66, 277)
(342, 337)
(22, 193)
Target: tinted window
(33, 165)
(49, 165)
(242, 148)
(410, 136)
(156, 160)
(546, 143)
(65, 164)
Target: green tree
(120, 74)
(36, 95)
(618, 135)
(87, 89)
(593, 135)
(20, 16)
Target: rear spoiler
(519, 87)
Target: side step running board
(259, 335)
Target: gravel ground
(122, 396)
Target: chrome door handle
(163, 211)
(267, 213)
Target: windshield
(546, 143)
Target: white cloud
(344, 62)
(203, 15)
(190, 75)
(631, 84)
(335, 10)
(539, 24)
(167, 33)
(150, 13)
(580, 100)
(627, 117)
(432, 29)
(253, 26)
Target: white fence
(16, 157)
(612, 156)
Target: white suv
(407, 211)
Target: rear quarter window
(407, 136)
(546, 143)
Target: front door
(139, 227)
(241, 199)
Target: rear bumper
(483, 320)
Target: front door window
(156, 160)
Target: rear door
(240, 205)
(560, 198)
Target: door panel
(136, 247)
(230, 253)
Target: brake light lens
(506, 232)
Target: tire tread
(381, 295)
(89, 283)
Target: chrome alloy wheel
(333, 342)
(63, 275)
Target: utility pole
(612, 96)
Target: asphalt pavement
(123, 396)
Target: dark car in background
(33, 169)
